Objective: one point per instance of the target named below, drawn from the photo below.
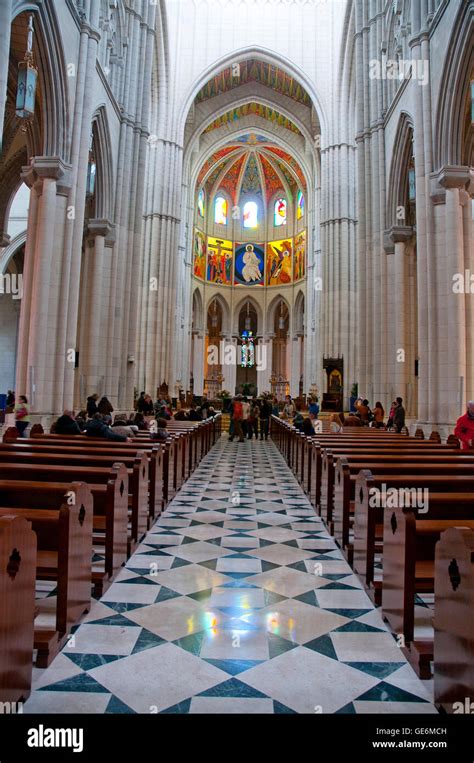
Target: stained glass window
(299, 206)
(247, 350)
(411, 182)
(201, 202)
(280, 212)
(250, 215)
(220, 211)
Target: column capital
(46, 167)
(395, 235)
(102, 227)
(455, 176)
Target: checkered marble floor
(237, 601)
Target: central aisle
(238, 601)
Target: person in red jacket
(465, 427)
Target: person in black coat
(194, 415)
(98, 428)
(105, 406)
(66, 424)
(92, 405)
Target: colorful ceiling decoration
(251, 182)
(213, 159)
(230, 181)
(253, 109)
(254, 71)
(272, 178)
(290, 161)
(252, 165)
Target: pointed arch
(224, 305)
(401, 153)
(299, 313)
(197, 311)
(272, 308)
(238, 309)
(104, 196)
(262, 54)
(457, 72)
(9, 252)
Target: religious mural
(249, 264)
(279, 264)
(300, 256)
(199, 254)
(219, 261)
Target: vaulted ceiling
(251, 164)
(253, 70)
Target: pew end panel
(454, 620)
(17, 607)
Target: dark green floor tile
(117, 707)
(278, 645)
(82, 683)
(323, 645)
(234, 667)
(233, 688)
(377, 669)
(385, 692)
(147, 640)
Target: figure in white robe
(251, 269)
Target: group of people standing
(249, 418)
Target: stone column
(93, 347)
(198, 362)
(37, 346)
(399, 235)
(230, 371)
(263, 376)
(295, 369)
(454, 294)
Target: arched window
(299, 206)
(220, 211)
(280, 212)
(201, 202)
(250, 215)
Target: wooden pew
(324, 474)
(454, 621)
(64, 537)
(115, 451)
(137, 470)
(408, 568)
(339, 509)
(17, 607)
(110, 520)
(369, 520)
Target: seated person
(164, 413)
(335, 423)
(161, 434)
(298, 420)
(194, 415)
(352, 421)
(66, 424)
(120, 426)
(362, 407)
(97, 427)
(180, 415)
(140, 422)
(307, 427)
